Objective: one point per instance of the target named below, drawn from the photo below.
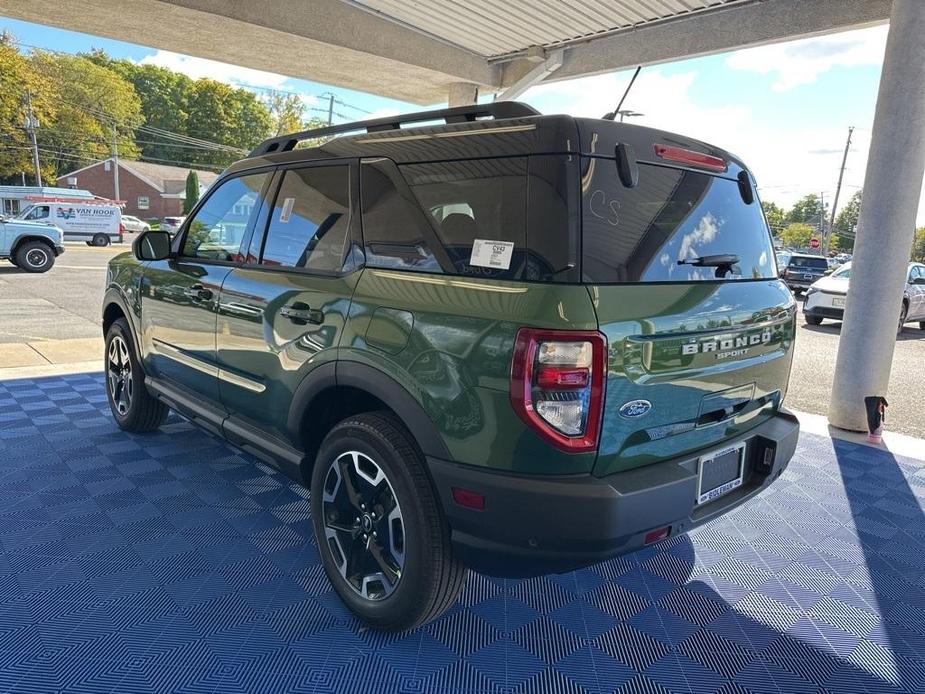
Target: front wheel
(814, 320)
(384, 543)
(34, 256)
(132, 406)
(903, 314)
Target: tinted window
(470, 217)
(310, 221)
(219, 226)
(396, 232)
(640, 234)
(809, 261)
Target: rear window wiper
(712, 261)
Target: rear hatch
(679, 263)
(806, 268)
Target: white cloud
(788, 163)
(197, 68)
(801, 62)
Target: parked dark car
(512, 342)
(800, 270)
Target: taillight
(557, 385)
(690, 157)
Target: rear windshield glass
(815, 262)
(655, 230)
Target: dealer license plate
(838, 302)
(720, 472)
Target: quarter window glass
(219, 226)
(640, 234)
(309, 226)
(471, 217)
(396, 232)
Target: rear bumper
(536, 525)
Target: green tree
(93, 103)
(805, 208)
(918, 245)
(846, 223)
(797, 235)
(775, 216)
(192, 192)
(16, 78)
(225, 115)
(286, 113)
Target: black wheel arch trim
(378, 384)
(115, 296)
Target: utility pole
(330, 109)
(841, 175)
(30, 125)
(115, 164)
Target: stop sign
(814, 243)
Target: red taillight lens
(557, 385)
(690, 157)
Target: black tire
(922, 325)
(429, 577)
(132, 406)
(814, 320)
(100, 240)
(903, 314)
(35, 256)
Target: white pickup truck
(32, 246)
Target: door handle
(198, 292)
(300, 314)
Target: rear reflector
(656, 535)
(469, 499)
(557, 377)
(690, 157)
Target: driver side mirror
(152, 245)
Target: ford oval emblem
(635, 408)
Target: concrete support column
(892, 185)
(462, 94)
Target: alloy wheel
(363, 525)
(119, 367)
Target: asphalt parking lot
(65, 303)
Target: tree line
(796, 227)
(85, 104)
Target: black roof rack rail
(458, 114)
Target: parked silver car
(134, 224)
(171, 224)
(825, 298)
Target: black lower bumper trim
(534, 525)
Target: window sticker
(493, 254)
(287, 210)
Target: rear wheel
(814, 320)
(100, 240)
(132, 406)
(35, 256)
(384, 542)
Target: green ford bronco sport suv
(511, 342)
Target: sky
(784, 109)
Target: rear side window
(640, 234)
(809, 261)
(310, 220)
(469, 217)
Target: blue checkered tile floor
(172, 562)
